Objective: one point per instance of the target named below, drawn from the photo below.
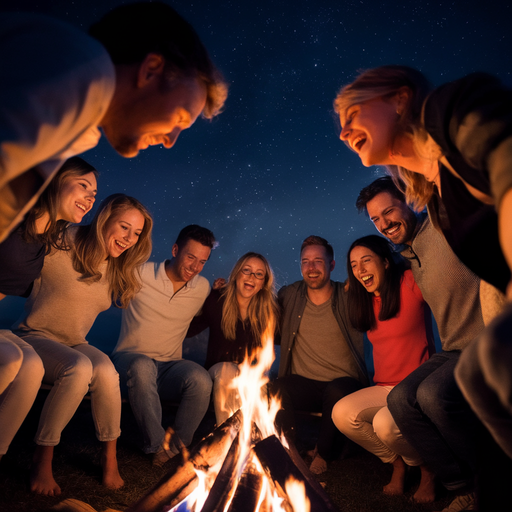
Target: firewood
(280, 467)
(175, 486)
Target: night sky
(271, 170)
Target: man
(142, 76)
(148, 354)
(321, 354)
(427, 406)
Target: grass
(353, 484)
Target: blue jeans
(434, 418)
(148, 381)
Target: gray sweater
(450, 289)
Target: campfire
(243, 465)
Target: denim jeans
(74, 371)
(148, 381)
(21, 387)
(434, 418)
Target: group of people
(142, 75)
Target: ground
(353, 483)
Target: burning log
(172, 489)
(224, 484)
(280, 467)
(248, 491)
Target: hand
(219, 283)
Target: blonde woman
(98, 266)
(238, 315)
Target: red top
(403, 342)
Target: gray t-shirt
(320, 351)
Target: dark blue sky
(271, 170)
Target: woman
(68, 198)
(237, 315)
(385, 302)
(98, 266)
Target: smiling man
(148, 354)
(428, 406)
(321, 353)
(142, 75)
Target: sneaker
(460, 503)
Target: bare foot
(426, 492)
(396, 484)
(111, 477)
(318, 466)
(41, 474)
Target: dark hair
(48, 202)
(194, 232)
(318, 240)
(360, 302)
(383, 184)
(130, 32)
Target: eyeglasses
(258, 275)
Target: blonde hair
(262, 311)
(89, 249)
(385, 82)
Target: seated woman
(385, 302)
(98, 266)
(237, 315)
(68, 197)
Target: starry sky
(271, 170)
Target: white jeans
(74, 371)
(225, 399)
(21, 372)
(363, 416)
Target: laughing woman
(68, 198)
(385, 302)
(98, 266)
(237, 316)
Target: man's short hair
(197, 233)
(318, 240)
(383, 184)
(132, 31)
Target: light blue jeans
(22, 371)
(74, 371)
(148, 381)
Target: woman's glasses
(258, 274)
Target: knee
(199, 380)
(32, 365)
(11, 361)
(384, 426)
(78, 368)
(105, 372)
(141, 370)
(342, 416)
(399, 397)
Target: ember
(242, 465)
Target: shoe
(463, 502)
(162, 457)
